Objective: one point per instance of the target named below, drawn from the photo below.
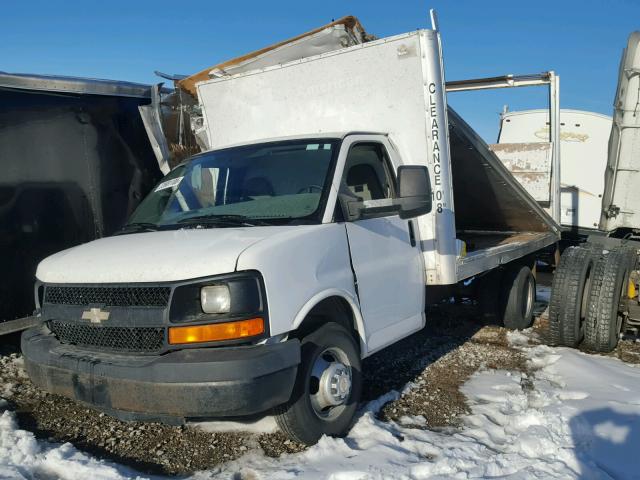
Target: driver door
(385, 253)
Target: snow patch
(573, 422)
(517, 339)
(265, 424)
(24, 457)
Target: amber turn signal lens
(216, 331)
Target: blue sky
(128, 40)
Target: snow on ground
(576, 416)
(24, 457)
(265, 424)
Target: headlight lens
(215, 299)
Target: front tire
(327, 389)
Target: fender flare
(353, 304)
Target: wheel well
(331, 309)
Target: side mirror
(414, 188)
(414, 198)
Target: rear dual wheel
(604, 318)
(570, 290)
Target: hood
(154, 256)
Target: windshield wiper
(232, 220)
(138, 227)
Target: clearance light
(216, 331)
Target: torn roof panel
(74, 85)
(345, 32)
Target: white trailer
(523, 145)
(258, 274)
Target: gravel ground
(434, 363)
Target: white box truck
(258, 274)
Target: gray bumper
(207, 382)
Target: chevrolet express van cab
(258, 274)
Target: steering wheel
(310, 189)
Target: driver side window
(367, 172)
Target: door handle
(412, 234)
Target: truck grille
(108, 296)
(125, 339)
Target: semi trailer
(594, 298)
(523, 145)
(338, 196)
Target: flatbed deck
(487, 250)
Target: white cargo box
(393, 86)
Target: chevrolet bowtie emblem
(95, 315)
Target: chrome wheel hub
(330, 383)
(335, 384)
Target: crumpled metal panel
(77, 85)
(344, 32)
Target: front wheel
(328, 387)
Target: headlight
(215, 299)
(232, 297)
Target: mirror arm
(372, 208)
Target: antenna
(434, 20)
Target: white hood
(153, 256)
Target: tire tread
(602, 312)
(564, 305)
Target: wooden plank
(12, 326)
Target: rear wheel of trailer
(605, 313)
(569, 296)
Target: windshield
(272, 183)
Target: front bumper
(206, 382)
